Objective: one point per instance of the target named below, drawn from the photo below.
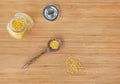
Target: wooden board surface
(90, 30)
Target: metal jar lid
(51, 12)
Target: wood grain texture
(90, 30)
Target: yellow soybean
(54, 44)
(18, 24)
(73, 64)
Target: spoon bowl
(59, 45)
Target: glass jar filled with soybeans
(19, 25)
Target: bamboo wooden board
(90, 30)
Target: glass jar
(19, 25)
